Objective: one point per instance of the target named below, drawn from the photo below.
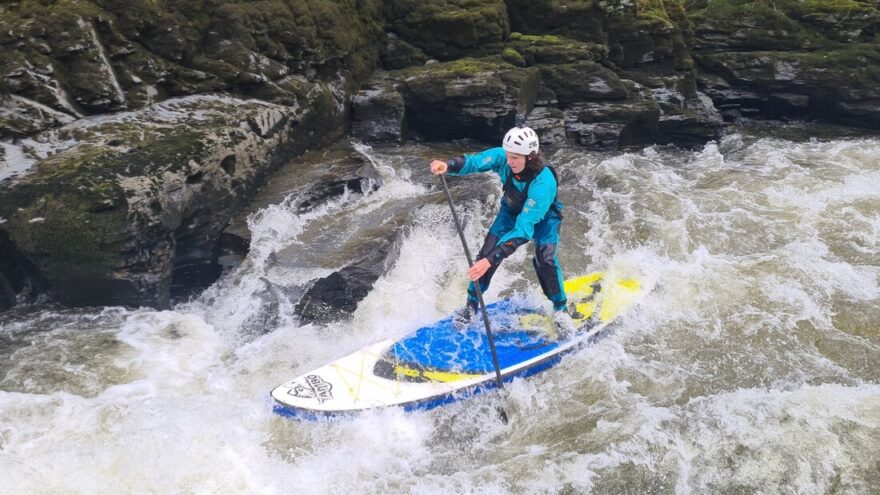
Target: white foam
(735, 373)
(14, 161)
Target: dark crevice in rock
(228, 164)
(19, 278)
(196, 178)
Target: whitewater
(752, 367)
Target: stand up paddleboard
(438, 364)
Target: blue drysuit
(530, 209)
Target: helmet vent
(521, 140)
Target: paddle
(467, 253)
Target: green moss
(760, 24)
(513, 57)
(39, 9)
(460, 68)
(583, 81)
(657, 10)
(776, 9)
(325, 118)
(853, 6)
(822, 73)
(546, 39)
(191, 46)
(79, 223)
(82, 158)
(449, 29)
(92, 166)
(552, 49)
(857, 64)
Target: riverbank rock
(799, 84)
(377, 113)
(580, 20)
(449, 29)
(791, 60)
(370, 255)
(20, 117)
(89, 57)
(475, 98)
(398, 54)
(121, 202)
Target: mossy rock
(398, 54)
(813, 24)
(643, 40)
(663, 10)
(449, 29)
(109, 55)
(551, 49)
(751, 26)
(513, 57)
(582, 20)
(635, 121)
(105, 221)
(841, 84)
(377, 113)
(21, 117)
(850, 73)
(476, 98)
(621, 112)
(583, 81)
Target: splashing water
(751, 368)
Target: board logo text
(316, 388)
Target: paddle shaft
(467, 253)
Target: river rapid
(753, 366)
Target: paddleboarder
(530, 211)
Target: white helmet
(521, 140)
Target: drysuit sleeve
(542, 193)
(492, 159)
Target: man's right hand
(438, 167)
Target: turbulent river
(753, 366)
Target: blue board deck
(437, 364)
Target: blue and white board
(438, 364)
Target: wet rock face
(20, 117)
(465, 98)
(396, 53)
(378, 113)
(798, 85)
(360, 248)
(562, 58)
(7, 296)
(364, 180)
(753, 59)
(337, 295)
(108, 220)
(89, 57)
(450, 29)
(583, 81)
(13, 276)
(795, 60)
(577, 19)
